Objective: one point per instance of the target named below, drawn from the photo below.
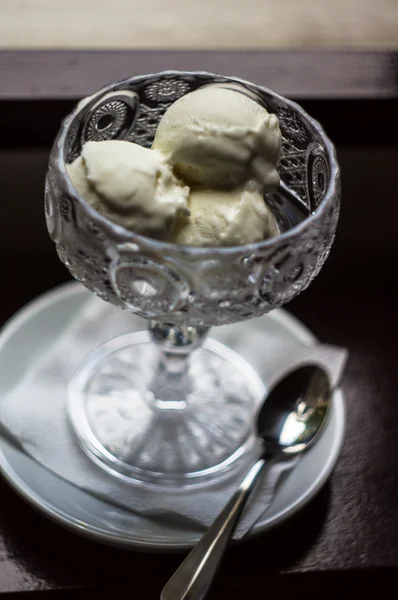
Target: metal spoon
(289, 422)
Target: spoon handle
(195, 574)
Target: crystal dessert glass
(170, 406)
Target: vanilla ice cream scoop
(131, 186)
(225, 218)
(219, 138)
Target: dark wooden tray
(345, 540)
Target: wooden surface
(300, 74)
(198, 24)
(345, 540)
(346, 537)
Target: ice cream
(131, 186)
(225, 218)
(214, 156)
(220, 139)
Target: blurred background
(198, 24)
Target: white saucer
(29, 332)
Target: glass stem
(171, 383)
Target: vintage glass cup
(170, 406)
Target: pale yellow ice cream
(220, 139)
(217, 140)
(131, 186)
(225, 218)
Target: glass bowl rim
(118, 231)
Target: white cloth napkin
(33, 414)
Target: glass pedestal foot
(132, 432)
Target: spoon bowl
(295, 412)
